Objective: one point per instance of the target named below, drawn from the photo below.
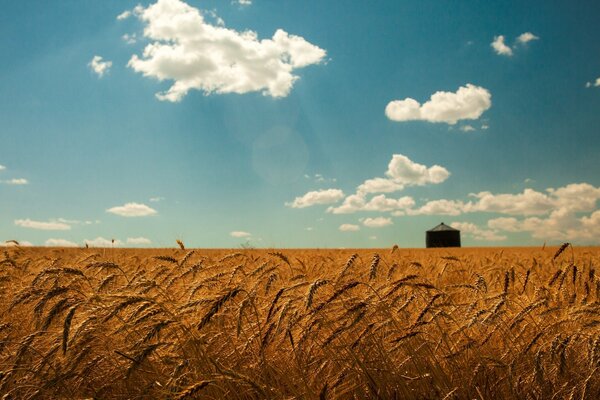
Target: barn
(442, 236)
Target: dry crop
(300, 324)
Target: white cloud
(596, 83)
(373, 237)
(349, 228)
(380, 203)
(244, 2)
(124, 15)
(439, 207)
(40, 225)
(213, 59)
(325, 196)
(379, 185)
(526, 37)
(351, 204)
(132, 210)
(500, 47)
(467, 128)
(530, 202)
(60, 243)
(138, 240)
(403, 170)
(469, 102)
(485, 126)
(377, 222)
(102, 242)
(2, 167)
(129, 39)
(22, 243)
(240, 234)
(16, 181)
(99, 66)
(478, 233)
(156, 199)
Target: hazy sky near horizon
(299, 123)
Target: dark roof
(442, 227)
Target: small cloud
(129, 39)
(243, 3)
(156, 199)
(17, 181)
(60, 243)
(485, 126)
(528, 180)
(44, 226)
(99, 66)
(468, 102)
(373, 237)
(526, 37)
(310, 228)
(325, 196)
(596, 83)
(240, 234)
(500, 47)
(2, 167)
(349, 228)
(102, 242)
(378, 222)
(467, 128)
(132, 210)
(138, 241)
(124, 15)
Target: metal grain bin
(442, 236)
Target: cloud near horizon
(196, 55)
(60, 243)
(468, 102)
(41, 225)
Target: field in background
(512, 323)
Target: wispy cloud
(99, 66)
(16, 181)
(595, 83)
(132, 210)
(124, 15)
(102, 242)
(139, 241)
(349, 228)
(42, 225)
(378, 222)
(2, 167)
(240, 234)
(196, 55)
(526, 37)
(60, 243)
(468, 102)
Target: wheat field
(514, 323)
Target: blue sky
(299, 124)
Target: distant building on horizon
(442, 236)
